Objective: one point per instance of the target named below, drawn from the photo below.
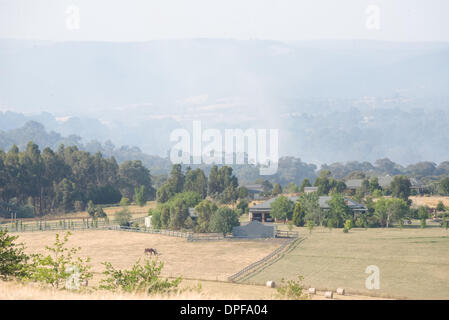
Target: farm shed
(254, 230)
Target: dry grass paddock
(429, 201)
(198, 260)
(413, 262)
(211, 290)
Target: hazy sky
(142, 20)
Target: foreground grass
(210, 290)
(413, 263)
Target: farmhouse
(261, 212)
(384, 182)
(255, 191)
(310, 189)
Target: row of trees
(381, 213)
(38, 183)
(174, 214)
(221, 184)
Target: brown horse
(150, 251)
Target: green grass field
(413, 262)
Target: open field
(429, 201)
(211, 290)
(413, 262)
(198, 260)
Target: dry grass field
(211, 290)
(429, 201)
(413, 262)
(198, 260)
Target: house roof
(352, 204)
(322, 200)
(354, 183)
(254, 187)
(309, 189)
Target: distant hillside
(331, 100)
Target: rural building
(355, 206)
(310, 189)
(417, 186)
(147, 222)
(353, 184)
(261, 212)
(384, 182)
(254, 230)
(255, 191)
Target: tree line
(38, 183)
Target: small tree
(310, 225)
(298, 215)
(155, 218)
(124, 202)
(282, 208)
(60, 266)
(140, 278)
(122, 217)
(140, 196)
(423, 214)
(330, 224)
(243, 206)
(277, 189)
(347, 226)
(292, 290)
(13, 261)
(223, 220)
(440, 207)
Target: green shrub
(61, 265)
(291, 289)
(13, 261)
(140, 278)
(125, 202)
(310, 225)
(123, 217)
(347, 226)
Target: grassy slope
(413, 263)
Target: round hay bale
(329, 294)
(341, 291)
(312, 290)
(271, 284)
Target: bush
(125, 202)
(243, 206)
(122, 217)
(155, 218)
(347, 226)
(13, 261)
(310, 225)
(140, 278)
(292, 290)
(62, 265)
